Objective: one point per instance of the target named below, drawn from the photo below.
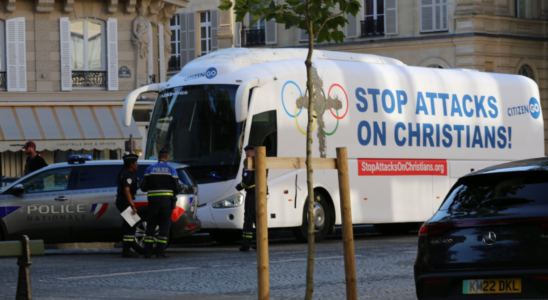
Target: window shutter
(16, 55)
(11, 55)
(214, 29)
(391, 17)
(184, 39)
(427, 15)
(191, 36)
(150, 58)
(21, 55)
(271, 32)
(238, 35)
(351, 30)
(161, 54)
(66, 68)
(112, 52)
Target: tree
(323, 20)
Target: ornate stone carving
(130, 6)
(44, 6)
(112, 6)
(69, 6)
(140, 28)
(156, 6)
(88, 9)
(10, 5)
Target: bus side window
(264, 132)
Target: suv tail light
(433, 230)
(439, 229)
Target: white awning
(64, 127)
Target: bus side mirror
(242, 98)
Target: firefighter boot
(245, 244)
(126, 251)
(161, 249)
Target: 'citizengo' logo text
(533, 108)
(209, 74)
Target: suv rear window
(496, 190)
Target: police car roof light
(78, 158)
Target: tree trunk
(309, 170)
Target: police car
(75, 202)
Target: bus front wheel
(323, 220)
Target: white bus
(410, 132)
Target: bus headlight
(232, 201)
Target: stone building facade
(502, 36)
(66, 67)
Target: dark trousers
(250, 216)
(159, 214)
(128, 232)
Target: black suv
(489, 238)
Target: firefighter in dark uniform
(250, 214)
(127, 187)
(162, 184)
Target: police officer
(162, 184)
(250, 214)
(127, 187)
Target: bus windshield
(197, 126)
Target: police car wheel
(323, 220)
(140, 234)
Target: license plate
(492, 286)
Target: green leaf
(322, 36)
(225, 5)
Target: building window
(88, 53)
(373, 18)
(254, 35)
(434, 15)
(528, 9)
(527, 71)
(205, 33)
(175, 58)
(2, 55)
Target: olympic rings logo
(334, 112)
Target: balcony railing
(373, 27)
(253, 37)
(174, 63)
(3, 81)
(89, 78)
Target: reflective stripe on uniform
(128, 240)
(247, 236)
(160, 194)
(149, 241)
(162, 241)
(250, 187)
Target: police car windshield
(197, 125)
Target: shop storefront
(62, 130)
